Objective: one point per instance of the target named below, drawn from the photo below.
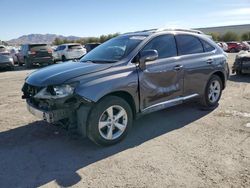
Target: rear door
(198, 59)
(162, 80)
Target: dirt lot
(178, 147)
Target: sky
(86, 18)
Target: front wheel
(109, 121)
(212, 92)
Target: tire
(19, 62)
(64, 58)
(238, 72)
(233, 50)
(107, 133)
(27, 63)
(211, 98)
(11, 68)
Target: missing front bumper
(50, 116)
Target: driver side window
(164, 44)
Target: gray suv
(31, 54)
(126, 77)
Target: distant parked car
(234, 47)
(3, 49)
(91, 46)
(13, 53)
(223, 45)
(6, 61)
(31, 54)
(245, 46)
(66, 52)
(242, 63)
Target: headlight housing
(55, 92)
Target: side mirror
(145, 56)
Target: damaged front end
(242, 63)
(53, 103)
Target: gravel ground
(178, 147)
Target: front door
(162, 80)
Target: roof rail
(167, 29)
(176, 29)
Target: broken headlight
(55, 92)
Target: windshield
(113, 50)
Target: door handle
(210, 61)
(178, 67)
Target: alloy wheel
(113, 122)
(214, 91)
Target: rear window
(188, 44)
(2, 49)
(75, 47)
(40, 47)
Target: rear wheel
(238, 72)
(19, 62)
(109, 121)
(212, 92)
(11, 68)
(27, 63)
(64, 58)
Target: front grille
(30, 91)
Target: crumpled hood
(243, 54)
(58, 74)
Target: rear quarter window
(188, 44)
(207, 47)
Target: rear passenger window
(165, 46)
(188, 44)
(61, 48)
(207, 47)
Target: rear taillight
(31, 52)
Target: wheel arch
(222, 77)
(127, 97)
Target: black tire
(19, 62)
(64, 58)
(11, 68)
(238, 72)
(205, 100)
(233, 50)
(27, 63)
(97, 112)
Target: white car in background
(223, 45)
(13, 53)
(66, 52)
